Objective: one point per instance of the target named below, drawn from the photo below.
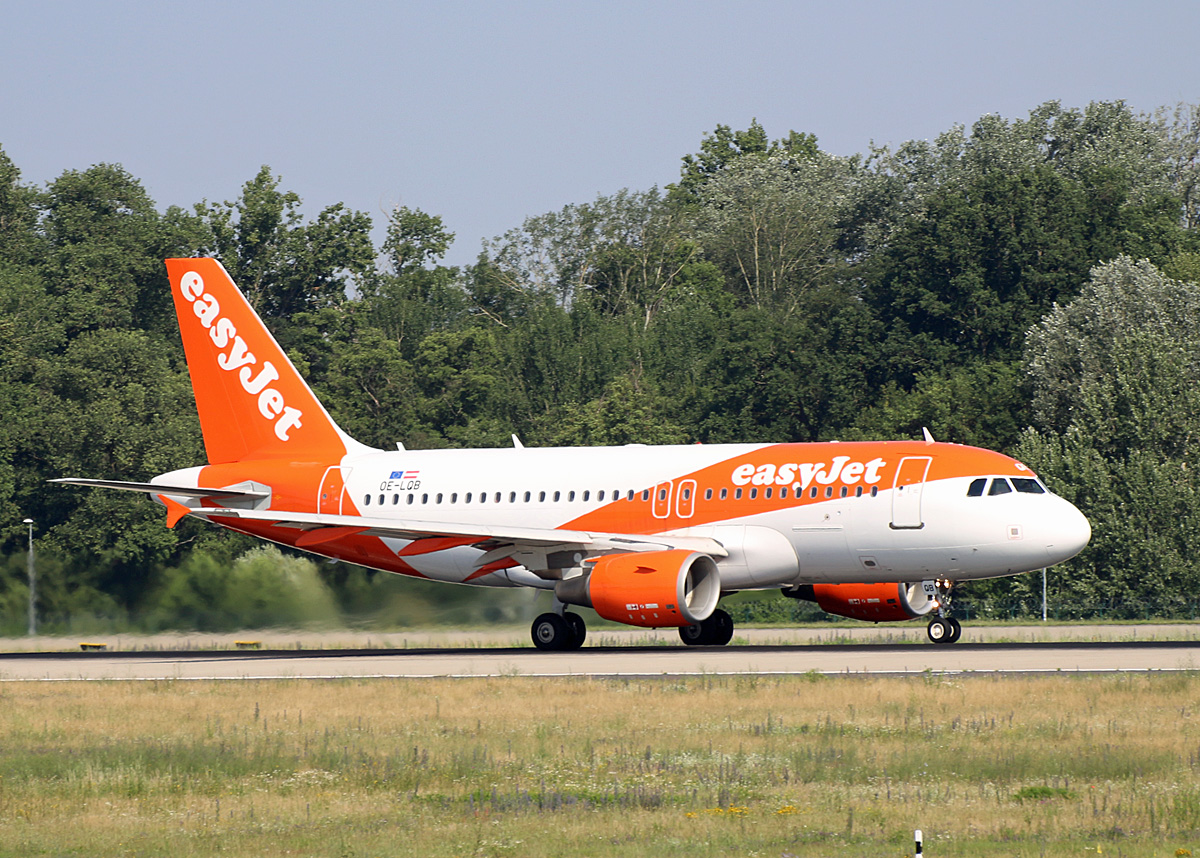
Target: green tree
(1115, 374)
(282, 264)
(769, 222)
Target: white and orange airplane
(648, 536)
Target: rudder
(252, 402)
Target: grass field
(779, 766)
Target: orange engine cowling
(655, 589)
(879, 603)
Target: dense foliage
(1027, 285)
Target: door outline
(907, 489)
(685, 507)
(331, 491)
(660, 505)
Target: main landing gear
(717, 630)
(566, 631)
(559, 631)
(944, 629)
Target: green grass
(771, 766)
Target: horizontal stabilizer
(160, 489)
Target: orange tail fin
(253, 404)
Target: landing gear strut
(717, 630)
(944, 629)
(559, 631)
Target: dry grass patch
(707, 766)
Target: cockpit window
(1028, 486)
(999, 487)
(975, 490)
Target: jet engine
(654, 589)
(879, 603)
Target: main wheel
(716, 630)
(578, 629)
(721, 625)
(551, 632)
(940, 631)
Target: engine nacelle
(655, 589)
(879, 603)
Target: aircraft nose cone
(1070, 531)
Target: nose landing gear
(944, 629)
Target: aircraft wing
(497, 540)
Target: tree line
(1028, 285)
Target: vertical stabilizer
(253, 404)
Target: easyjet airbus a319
(648, 536)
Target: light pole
(32, 584)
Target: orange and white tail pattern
(253, 404)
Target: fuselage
(785, 514)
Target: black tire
(955, 630)
(716, 630)
(578, 629)
(939, 631)
(721, 626)
(551, 632)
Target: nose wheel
(944, 630)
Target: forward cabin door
(907, 491)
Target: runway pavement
(645, 661)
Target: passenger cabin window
(975, 490)
(1027, 486)
(999, 487)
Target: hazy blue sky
(486, 113)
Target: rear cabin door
(329, 497)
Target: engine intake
(653, 589)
